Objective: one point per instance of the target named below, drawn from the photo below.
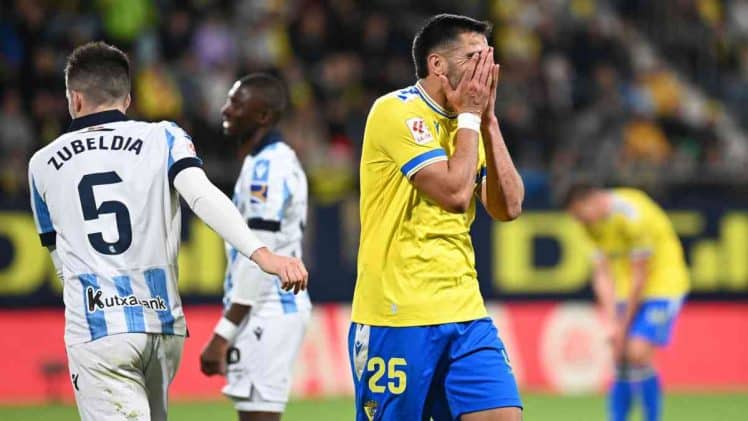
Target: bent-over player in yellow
(640, 281)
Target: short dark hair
(577, 191)
(99, 71)
(440, 30)
(270, 90)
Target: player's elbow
(513, 211)
(507, 213)
(456, 202)
(462, 200)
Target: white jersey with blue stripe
(271, 194)
(102, 195)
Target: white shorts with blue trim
(261, 361)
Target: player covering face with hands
(106, 202)
(421, 344)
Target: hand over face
(473, 91)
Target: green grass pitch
(678, 407)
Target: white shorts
(124, 376)
(261, 362)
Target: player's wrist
(469, 120)
(262, 256)
(489, 120)
(226, 329)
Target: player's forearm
(228, 325)
(460, 179)
(451, 183)
(602, 285)
(236, 313)
(505, 190)
(638, 281)
(216, 210)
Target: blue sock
(650, 392)
(619, 398)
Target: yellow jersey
(637, 226)
(416, 264)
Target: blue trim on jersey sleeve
(420, 161)
(95, 319)
(287, 299)
(43, 219)
(156, 280)
(133, 314)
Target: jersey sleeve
(42, 217)
(405, 137)
(182, 152)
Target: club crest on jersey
(420, 131)
(370, 409)
(261, 171)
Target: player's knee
(508, 414)
(639, 353)
(512, 414)
(638, 360)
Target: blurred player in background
(105, 198)
(266, 323)
(640, 280)
(421, 343)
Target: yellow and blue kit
(421, 343)
(638, 227)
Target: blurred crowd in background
(626, 91)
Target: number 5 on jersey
(92, 212)
(396, 377)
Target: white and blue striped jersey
(102, 195)
(271, 194)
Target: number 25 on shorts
(396, 378)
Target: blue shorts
(422, 372)
(655, 319)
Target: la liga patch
(420, 130)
